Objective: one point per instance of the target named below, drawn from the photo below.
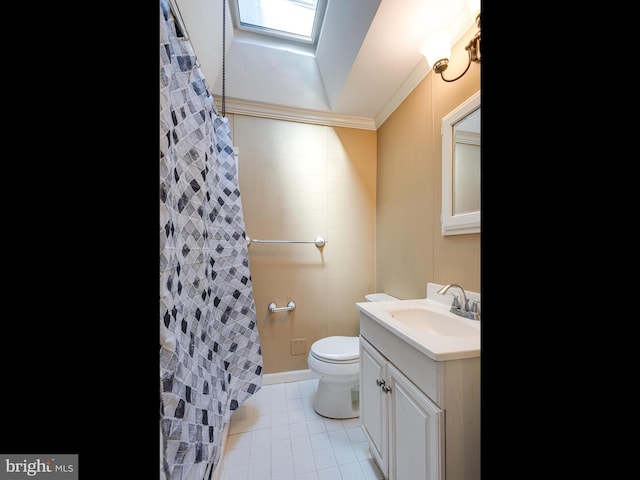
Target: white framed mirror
(461, 148)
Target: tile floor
(276, 435)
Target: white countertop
(436, 346)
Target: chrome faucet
(459, 308)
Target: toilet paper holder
(274, 308)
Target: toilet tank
(379, 297)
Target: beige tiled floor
(276, 434)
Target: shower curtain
(210, 356)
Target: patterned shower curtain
(210, 356)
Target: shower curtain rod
(319, 241)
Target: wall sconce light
(437, 48)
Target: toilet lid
(341, 349)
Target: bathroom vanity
(420, 390)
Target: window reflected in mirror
(461, 168)
(466, 164)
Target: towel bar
(319, 241)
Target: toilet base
(337, 400)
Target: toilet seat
(337, 349)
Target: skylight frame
(312, 39)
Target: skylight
(296, 20)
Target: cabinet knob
(386, 389)
(379, 382)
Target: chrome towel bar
(274, 308)
(319, 241)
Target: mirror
(461, 149)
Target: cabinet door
(373, 403)
(416, 426)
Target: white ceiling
(366, 63)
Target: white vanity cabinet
(420, 416)
(374, 404)
(404, 427)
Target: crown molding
(413, 80)
(277, 112)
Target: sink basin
(433, 323)
(427, 325)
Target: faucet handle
(456, 302)
(475, 306)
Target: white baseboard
(286, 377)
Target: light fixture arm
(472, 48)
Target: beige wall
(374, 196)
(410, 249)
(298, 181)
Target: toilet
(336, 361)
